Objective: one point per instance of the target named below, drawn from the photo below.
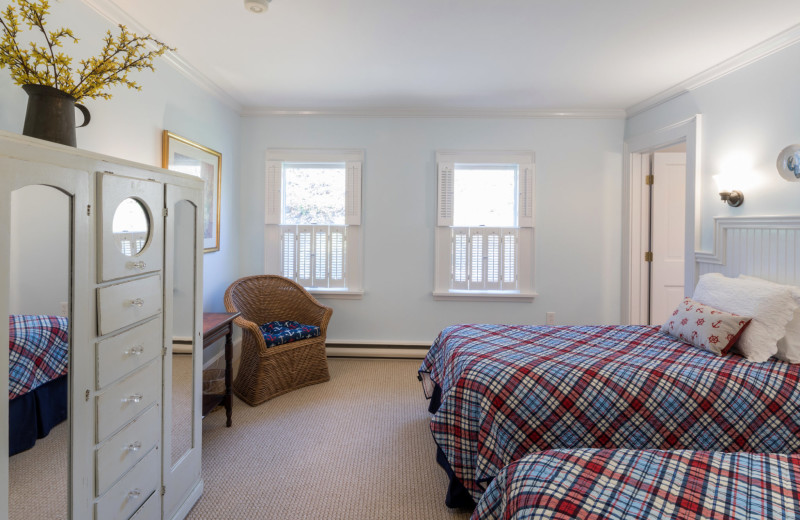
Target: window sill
(336, 294)
(484, 296)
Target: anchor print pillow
(705, 327)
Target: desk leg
(229, 375)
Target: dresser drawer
(151, 510)
(126, 303)
(128, 495)
(124, 353)
(126, 399)
(127, 447)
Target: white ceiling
(455, 54)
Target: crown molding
(437, 112)
(116, 15)
(757, 52)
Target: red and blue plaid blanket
(38, 351)
(626, 484)
(511, 390)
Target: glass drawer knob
(138, 302)
(138, 350)
(135, 446)
(134, 494)
(135, 398)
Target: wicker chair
(264, 372)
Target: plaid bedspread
(38, 351)
(511, 390)
(627, 484)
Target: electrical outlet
(551, 318)
(64, 309)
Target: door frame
(635, 278)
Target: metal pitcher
(51, 115)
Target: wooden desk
(215, 326)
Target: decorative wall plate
(789, 162)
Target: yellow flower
(43, 65)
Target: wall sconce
(725, 183)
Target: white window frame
(322, 280)
(450, 240)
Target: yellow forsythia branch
(44, 64)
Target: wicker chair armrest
(252, 328)
(315, 313)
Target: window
(484, 234)
(313, 219)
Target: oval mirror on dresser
(131, 227)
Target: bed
(37, 383)
(618, 484)
(499, 392)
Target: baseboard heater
(373, 349)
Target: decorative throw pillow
(705, 327)
(280, 332)
(789, 345)
(770, 307)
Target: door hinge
(163, 351)
(648, 256)
(166, 212)
(163, 490)
(88, 393)
(649, 179)
(89, 210)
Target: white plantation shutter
(305, 246)
(353, 194)
(509, 259)
(526, 182)
(445, 194)
(288, 251)
(273, 202)
(337, 253)
(477, 255)
(492, 260)
(484, 259)
(320, 256)
(460, 255)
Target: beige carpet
(356, 447)
(37, 483)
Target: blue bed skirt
(33, 415)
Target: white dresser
(128, 456)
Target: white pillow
(771, 308)
(789, 345)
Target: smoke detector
(256, 6)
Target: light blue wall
(578, 216)
(129, 126)
(754, 111)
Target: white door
(183, 275)
(667, 234)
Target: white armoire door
(667, 234)
(183, 360)
(17, 176)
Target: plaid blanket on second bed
(623, 484)
(38, 351)
(511, 390)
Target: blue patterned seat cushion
(280, 332)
